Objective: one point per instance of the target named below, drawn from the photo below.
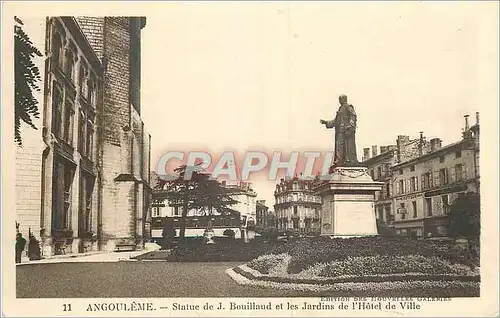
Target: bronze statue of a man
(345, 134)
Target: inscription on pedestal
(354, 218)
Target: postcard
(250, 159)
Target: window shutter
(422, 185)
(416, 183)
(452, 174)
(465, 172)
(398, 190)
(436, 178)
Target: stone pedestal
(348, 196)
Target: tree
(27, 76)
(199, 192)
(465, 216)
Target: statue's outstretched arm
(328, 123)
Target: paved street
(134, 279)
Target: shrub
(265, 263)
(229, 233)
(385, 264)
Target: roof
(383, 155)
(429, 155)
(83, 42)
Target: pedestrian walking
(34, 251)
(20, 244)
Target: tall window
(86, 190)
(459, 173)
(56, 49)
(295, 211)
(69, 67)
(426, 180)
(82, 80)
(413, 184)
(414, 206)
(443, 176)
(68, 122)
(81, 133)
(387, 190)
(92, 90)
(379, 172)
(88, 206)
(68, 180)
(401, 186)
(57, 108)
(402, 210)
(428, 204)
(89, 140)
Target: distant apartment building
(426, 186)
(262, 214)
(243, 193)
(78, 187)
(422, 179)
(379, 167)
(297, 207)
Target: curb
(241, 277)
(252, 274)
(65, 258)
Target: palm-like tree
(27, 76)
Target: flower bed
(388, 264)
(305, 253)
(421, 288)
(377, 263)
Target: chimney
(366, 154)
(421, 144)
(400, 146)
(374, 151)
(384, 149)
(435, 144)
(477, 118)
(466, 123)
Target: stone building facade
(126, 145)
(262, 214)
(379, 167)
(426, 186)
(88, 198)
(297, 207)
(422, 179)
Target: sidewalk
(97, 256)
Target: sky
(259, 76)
